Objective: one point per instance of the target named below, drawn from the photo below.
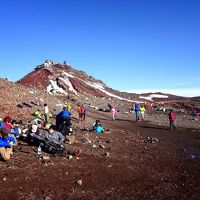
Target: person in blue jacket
(6, 144)
(137, 111)
(63, 119)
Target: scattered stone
(102, 146)
(46, 158)
(71, 139)
(191, 157)
(152, 140)
(79, 182)
(94, 146)
(87, 140)
(4, 179)
(107, 154)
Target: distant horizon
(151, 45)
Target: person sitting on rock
(7, 121)
(97, 127)
(35, 135)
(38, 114)
(6, 144)
(15, 130)
(54, 136)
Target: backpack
(53, 148)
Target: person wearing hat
(6, 144)
(97, 127)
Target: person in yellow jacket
(142, 111)
(38, 114)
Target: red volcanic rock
(38, 78)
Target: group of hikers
(140, 113)
(49, 137)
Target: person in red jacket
(171, 119)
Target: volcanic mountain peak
(57, 78)
(62, 78)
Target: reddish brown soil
(135, 169)
(37, 78)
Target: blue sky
(132, 45)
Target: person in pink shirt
(114, 112)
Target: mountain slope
(62, 78)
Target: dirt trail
(136, 169)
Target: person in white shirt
(46, 113)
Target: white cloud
(187, 92)
(188, 82)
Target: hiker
(84, 113)
(137, 111)
(145, 104)
(80, 111)
(7, 121)
(97, 127)
(68, 107)
(63, 119)
(46, 113)
(38, 117)
(194, 113)
(114, 112)
(54, 136)
(35, 135)
(38, 114)
(142, 112)
(6, 144)
(15, 130)
(109, 106)
(172, 119)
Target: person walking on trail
(142, 112)
(84, 113)
(171, 120)
(137, 111)
(80, 111)
(114, 112)
(46, 113)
